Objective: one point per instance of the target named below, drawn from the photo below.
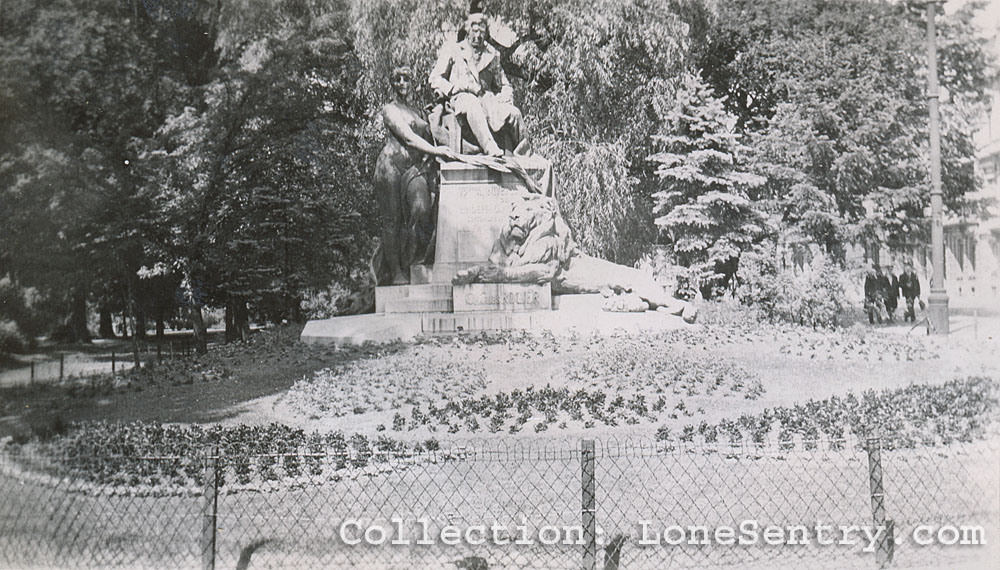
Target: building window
(970, 248)
(954, 243)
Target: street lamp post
(937, 300)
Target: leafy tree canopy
(832, 98)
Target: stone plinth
(493, 297)
(359, 329)
(473, 209)
(476, 322)
(581, 314)
(461, 173)
(432, 297)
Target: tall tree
(83, 82)
(832, 98)
(258, 179)
(703, 202)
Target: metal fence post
(32, 371)
(62, 365)
(113, 363)
(589, 506)
(886, 543)
(209, 508)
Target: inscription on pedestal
(470, 219)
(479, 204)
(473, 208)
(481, 297)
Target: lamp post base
(937, 312)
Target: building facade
(972, 243)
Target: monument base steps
(579, 313)
(418, 305)
(395, 297)
(475, 322)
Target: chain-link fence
(494, 504)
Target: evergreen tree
(703, 207)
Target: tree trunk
(237, 319)
(231, 333)
(106, 329)
(78, 316)
(123, 325)
(130, 322)
(140, 322)
(200, 332)
(135, 343)
(160, 329)
(241, 320)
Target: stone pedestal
(428, 298)
(473, 208)
(502, 297)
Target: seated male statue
(469, 76)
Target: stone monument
(472, 237)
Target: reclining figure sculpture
(537, 246)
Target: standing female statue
(404, 184)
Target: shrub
(20, 319)
(823, 298)
(814, 295)
(11, 339)
(761, 284)
(213, 317)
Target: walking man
(891, 296)
(909, 285)
(872, 296)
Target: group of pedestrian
(882, 292)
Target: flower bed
(164, 459)
(142, 455)
(958, 410)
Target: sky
(988, 19)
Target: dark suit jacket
(909, 284)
